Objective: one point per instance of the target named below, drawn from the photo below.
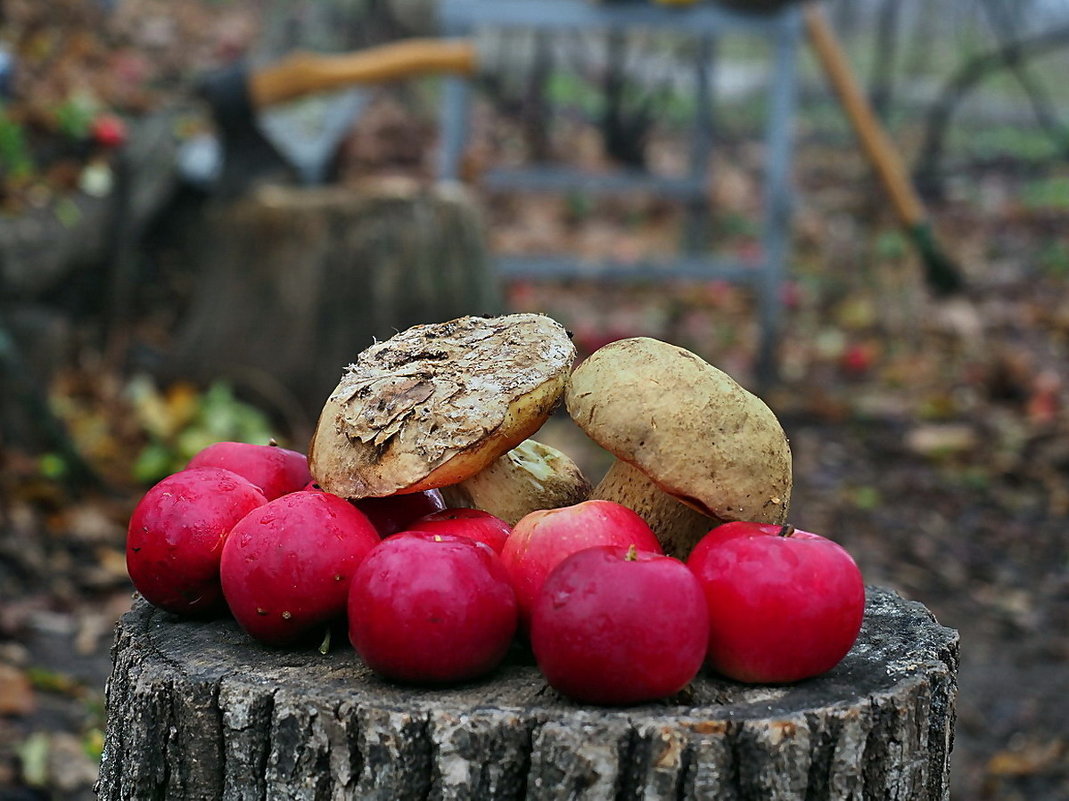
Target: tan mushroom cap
(437, 403)
(689, 427)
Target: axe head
(248, 157)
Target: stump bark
(199, 711)
(294, 282)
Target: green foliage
(182, 422)
(15, 158)
(732, 224)
(566, 90)
(579, 205)
(866, 498)
(891, 246)
(1004, 141)
(33, 755)
(1054, 259)
(1047, 194)
(74, 117)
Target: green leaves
(180, 421)
(15, 158)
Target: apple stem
(324, 647)
(786, 531)
(632, 553)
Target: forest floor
(930, 437)
(936, 450)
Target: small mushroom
(693, 448)
(437, 403)
(529, 477)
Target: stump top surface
(900, 642)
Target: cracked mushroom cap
(690, 428)
(437, 403)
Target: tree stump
(199, 711)
(294, 282)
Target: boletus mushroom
(693, 448)
(436, 403)
(529, 477)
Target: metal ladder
(706, 22)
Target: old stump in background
(293, 283)
(199, 711)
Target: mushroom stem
(529, 477)
(677, 526)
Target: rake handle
(881, 151)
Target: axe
(238, 94)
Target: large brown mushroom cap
(690, 428)
(436, 403)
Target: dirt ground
(965, 515)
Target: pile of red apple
(434, 595)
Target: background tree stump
(295, 282)
(199, 711)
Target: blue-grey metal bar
(698, 207)
(456, 104)
(779, 137)
(706, 21)
(557, 14)
(697, 269)
(559, 179)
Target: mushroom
(693, 448)
(529, 477)
(437, 403)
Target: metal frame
(707, 22)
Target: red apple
(783, 604)
(475, 524)
(615, 625)
(276, 471)
(431, 609)
(541, 540)
(286, 566)
(858, 358)
(108, 130)
(176, 536)
(393, 513)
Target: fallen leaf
(1026, 760)
(16, 692)
(947, 439)
(70, 767)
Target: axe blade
(248, 156)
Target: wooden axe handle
(302, 74)
(878, 146)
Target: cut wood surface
(197, 710)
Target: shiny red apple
(541, 540)
(784, 604)
(616, 625)
(431, 609)
(176, 535)
(475, 524)
(275, 470)
(286, 566)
